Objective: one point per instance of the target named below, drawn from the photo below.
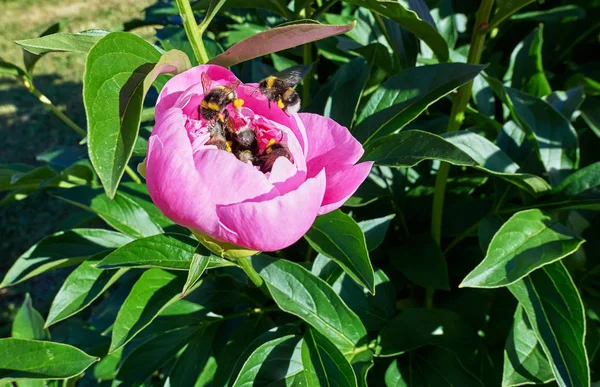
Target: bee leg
(269, 104)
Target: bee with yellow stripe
(215, 101)
(278, 88)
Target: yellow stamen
(229, 143)
(280, 104)
(270, 143)
(238, 102)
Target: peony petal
(277, 223)
(228, 179)
(181, 82)
(341, 184)
(331, 144)
(171, 131)
(285, 176)
(177, 189)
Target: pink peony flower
(227, 202)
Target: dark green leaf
(528, 240)
(324, 364)
(84, 285)
(200, 261)
(553, 306)
(422, 327)
(409, 20)
(403, 97)
(422, 261)
(526, 72)
(524, 359)
(375, 230)
(191, 362)
(545, 128)
(120, 69)
(64, 248)
(153, 354)
(297, 291)
(567, 102)
(152, 293)
(277, 39)
(31, 359)
(13, 70)
(437, 367)
(121, 212)
(338, 237)
(275, 362)
(552, 15)
(464, 148)
(29, 323)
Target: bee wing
(292, 75)
(232, 85)
(206, 83)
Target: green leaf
(580, 181)
(324, 364)
(64, 248)
(12, 70)
(32, 359)
(81, 42)
(121, 213)
(256, 4)
(463, 148)
(152, 293)
(191, 362)
(297, 291)
(153, 354)
(545, 128)
(526, 72)
(506, 9)
(82, 287)
(409, 20)
(403, 97)
(437, 367)
(165, 251)
(375, 230)
(528, 240)
(524, 359)
(29, 323)
(120, 69)
(422, 261)
(200, 261)
(567, 102)
(30, 59)
(139, 194)
(339, 97)
(338, 237)
(555, 311)
(422, 327)
(275, 362)
(277, 39)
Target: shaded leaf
(191, 362)
(553, 306)
(422, 261)
(506, 9)
(528, 240)
(324, 364)
(29, 323)
(580, 181)
(375, 230)
(403, 97)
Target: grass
(27, 129)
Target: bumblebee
(245, 145)
(218, 135)
(266, 160)
(279, 88)
(213, 106)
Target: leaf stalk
(192, 30)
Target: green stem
(211, 12)
(192, 31)
(246, 266)
(324, 8)
(308, 256)
(457, 114)
(46, 102)
(307, 59)
(132, 174)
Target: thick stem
(192, 31)
(246, 266)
